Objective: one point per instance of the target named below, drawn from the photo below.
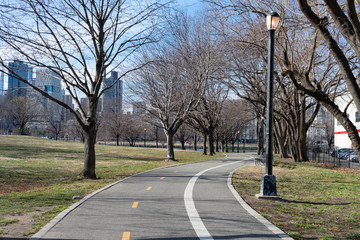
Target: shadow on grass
(13, 151)
(316, 203)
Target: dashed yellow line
(175, 171)
(162, 178)
(149, 188)
(126, 236)
(135, 205)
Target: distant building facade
(112, 98)
(67, 99)
(19, 70)
(342, 139)
(49, 81)
(2, 84)
(321, 130)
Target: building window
(49, 88)
(357, 117)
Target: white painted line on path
(196, 222)
(255, 214)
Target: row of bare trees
(316, 62)
(187, 75)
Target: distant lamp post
(268, 181)
(144, 137)
(244, 140)
(238, 140)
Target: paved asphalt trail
(166, 204)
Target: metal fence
(333, 156)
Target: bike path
(184, 202)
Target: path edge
(255, 214)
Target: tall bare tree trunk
(195, 142)
(204, 144)
(117, 139)
(170, 147)
(89, 147)
(211, 143)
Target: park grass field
(39, 177)
(317, 202)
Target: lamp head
(272, 20)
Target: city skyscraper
(49, 81)
(112, 98)
(18, 70)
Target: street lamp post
(144, 137)
(238, 140)
(244, 140)
(268, 181)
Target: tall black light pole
(238, 140)
(268, 181)
(144, 137)
(244, 142)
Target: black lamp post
(244, 140)
(144, 137)
(238, 140)
(268, 181)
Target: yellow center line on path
(149, 188)
(175, 171)
(126, 236)
(162, 178)
(135, 205)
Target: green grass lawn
(37, 173)
(317, 203)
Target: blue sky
(189, 4)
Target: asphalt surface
(183, 202)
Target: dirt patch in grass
(20, 225)
(9, 187)
(317, 203)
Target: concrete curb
(255, 214)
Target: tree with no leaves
(20, 111)
(172, 85)
(338, 25)
(81, 41)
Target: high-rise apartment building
(19, 70)
(49, 81)
(112, 98)
(68, 100)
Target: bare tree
(183, 134)
(111, 125)
(54, 116)
(81, 41)
(338, 25)
(20, 111)
(235, 116)
(132, 129)
(172, 85)
(206, 116)
(297, 51)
